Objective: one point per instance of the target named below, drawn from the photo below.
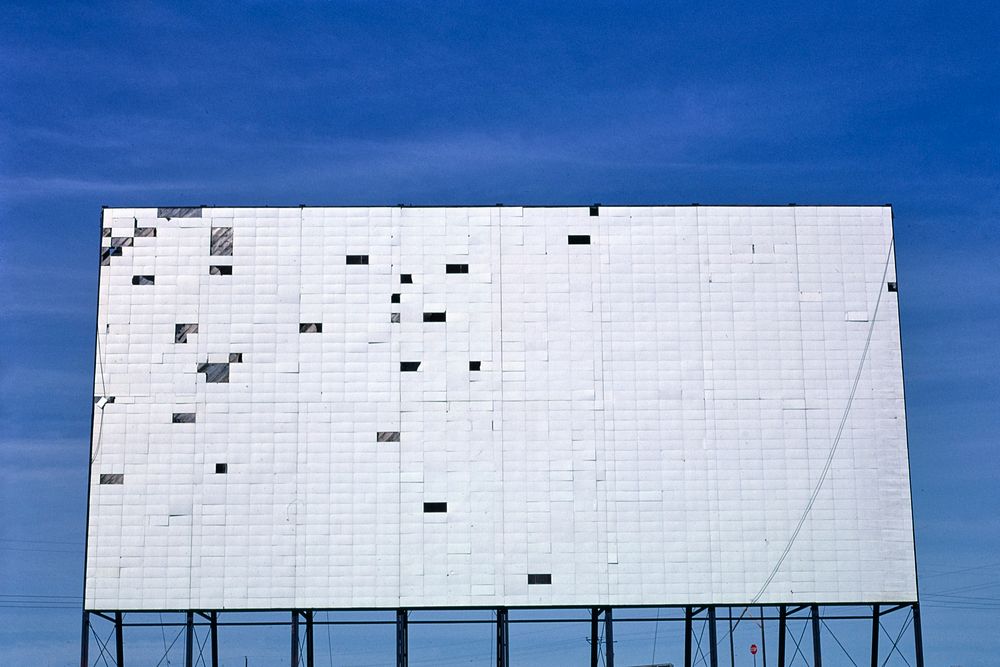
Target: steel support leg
(918, 636)
(713, 642)
(310, 655)
(609, 638)
(876, 610)
(763, 640)
(732, 646)
(213, 629)
(817, 648)
(85, 641)
(595, 616)
(119, 640)
(782, 631)
(402, 639)
(688, 629)
(503, 646)
(189, 640)
(295, 639)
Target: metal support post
(782, 631)
(595, 615)
(732, 647)
(189, 640)
(85, 641)
(119, 640)
(763, 640)
(713, 642)
(295, 638)
(402, 640)
(214, 634)
(817, 649)
(688, 629)
(918, 636)
(503, 647)
(310, 656)
(876, 611)
(609, 638)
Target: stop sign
(753, 649)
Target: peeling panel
(181, 332)
(222, 241)
(179, 212)
(215, 372)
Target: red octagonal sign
(753, 649)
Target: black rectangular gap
(106, 232)
(475, 365)
(235, 357)
(357, 259)
(181, 332)
(107, 478)
(218, 372)
(579, 239)
(221, 468)
(432, 508)
(539, 579)
(408, 366)
(222, 241)
(387, 436)
(143, 280)
(145, 231)
(220, 270)
(394, 298)
(311, 327)
(456, 268)
(434, 317)
(892, 287)
(394, 318)
(183, 418)
(595, 210)
(109, 399)
(406, 278)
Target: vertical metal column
(402, 640)
(595, 615)
(732, 647)
(688, 629)
(295, 638)
(119, 640)
(609, 639)
(918, 636)
(213, 629)
(763, 640)
(876, 612)
(85, 641)
(189, 640)
(713, 642)
(817, 649)
(503, 646)
(310, 656)
(782, 631)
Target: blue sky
(146, 103)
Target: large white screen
(650, 418)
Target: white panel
(643, 418)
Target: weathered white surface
(652, 413)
